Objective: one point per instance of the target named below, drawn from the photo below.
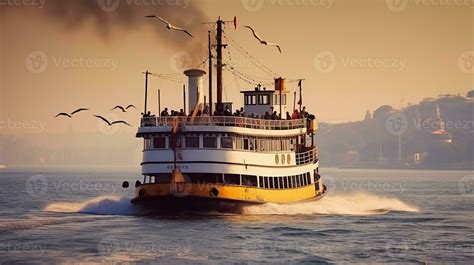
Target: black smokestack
(108, 16)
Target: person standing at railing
(165, 113)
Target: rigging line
(256, 63)
(253, 59)
(230, 62)
(252, 76)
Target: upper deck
(230, 124)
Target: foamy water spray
(343, 204)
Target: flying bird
(72, 113)
(264, 42)
(169, 26)
(111, 123)
(122, 108)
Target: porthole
(277, 159)
(283, 159)
(288, 159)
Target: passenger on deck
(181, 112)
(242, 112)
(165, 113)
(227, 111)
(274, 116)
(267, 116)
(294, 116)
(288, 116)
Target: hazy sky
(354, 55)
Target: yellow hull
(225, 192)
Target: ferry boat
(223, 163)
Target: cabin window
(246, 144)
(260, 182)
(308, 178)
(205, 178)
(248, 180)
(209, 142)
(295, 181)
(267, 182)
(263, 100)
(250, 99)
(159, 142)
(226, 142)
(285, 182)
(238, 143)
(270, 181)
(232, 179)
(276, 99)
(163, 178)
(280, 183)
(192, 141)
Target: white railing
(230, 121)
(307, 157)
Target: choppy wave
(344, 204)
(101, 205)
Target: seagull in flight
(111, 123)
(122, 108)
(72, 113)
(169, 26)
(264, 42)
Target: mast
(219, 46)
(146, 90)
(210, 71)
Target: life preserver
(214, 192)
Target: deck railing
(307, 157)
(230, 121)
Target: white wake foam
(344, 204)
(102, 205)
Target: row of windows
(288, 182)
(264, 99)
(237, 142)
